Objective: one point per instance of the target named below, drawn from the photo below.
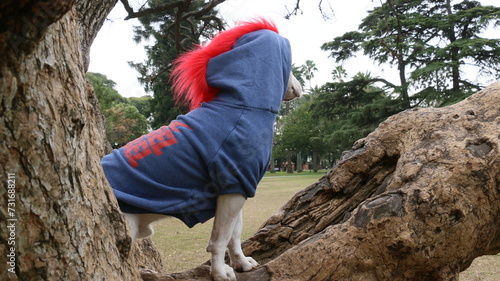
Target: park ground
(183, 248)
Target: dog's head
(294, 89)
(248, 65)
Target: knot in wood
(385, 206)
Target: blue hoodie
(221, 147)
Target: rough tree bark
(418, 199)
(59, 218)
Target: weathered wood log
(418, 199)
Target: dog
(208, 162)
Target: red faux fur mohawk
(189, 76)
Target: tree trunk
(315, 161)
(289, 164)
(418, 199)
(58, 211)
(454, 55)
(299, 162)
(272, 167)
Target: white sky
(114, 47)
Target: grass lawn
(183, 248)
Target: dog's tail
(189, 75)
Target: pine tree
(170, 37)
(429, 42)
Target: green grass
(183, 248)
(304, 173)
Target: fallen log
(417, 199)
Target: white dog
(207, 162)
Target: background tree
(104, 89)
(124, 123)
(339, 73)
(303, 134)
(329, 120)
(439, 65)
(163, 28)
(279, 152)
(434, 38)
(353, 108)
(295, 134)
(430, 42)
(143, 104)
(308, 70)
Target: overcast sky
(114, 47)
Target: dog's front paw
(244, 264)
(223, 273)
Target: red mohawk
(189, 75)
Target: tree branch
(205, 10)
(323, 13)
(148, 11)
(169, 6)
(295, 10)
(182, 15)
(387, 83)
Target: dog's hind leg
(226, 216)
(133, 222)
(238, 260)
(140, 224)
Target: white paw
(145, 231)
(224, 273)
(244, 264)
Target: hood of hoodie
(254, 73)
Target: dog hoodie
(222, 146)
